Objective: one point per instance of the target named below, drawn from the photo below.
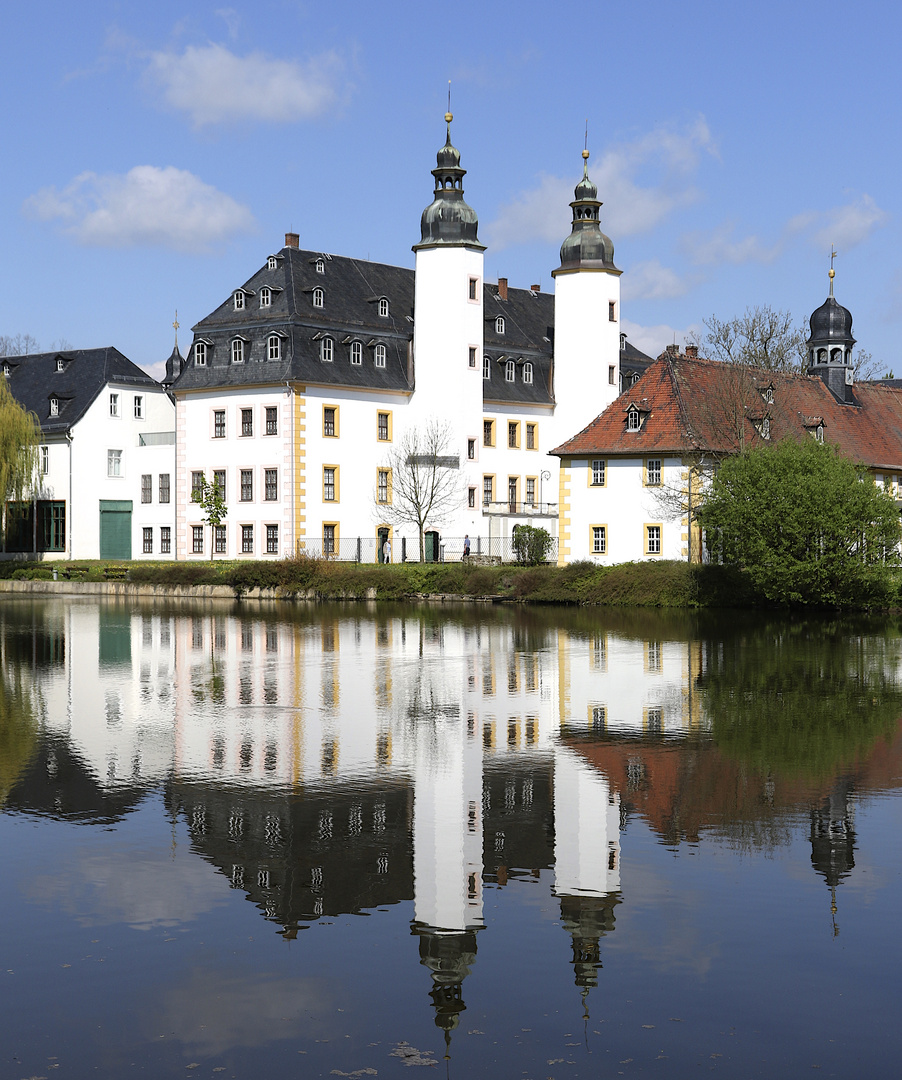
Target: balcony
(520, 509)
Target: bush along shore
(645, 584)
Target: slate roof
(34, 379)
(689, 405)
(352, 289)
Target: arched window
(836, 356)
(383, 308)
(274, 351)
(510, 371)
(379, 356)
(527, 374)
(265, 297)
(54, 406)
(272, 263)
(499, 325)
(239, 300)
(320, 266)
(200, 353)
(356, 353)
(237, 350)
(325, 350)
(318, 297)
(822, 356)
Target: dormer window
(237, 350)
(633, 419)
(765, 428)
(200, 354)
(274, 347)
(379, 356)
(6, 369)
(527, 374)
(265, 297)
(320, 266)
(499, 325)
(768, 394)
(60, 364)
(622, 342)
(272, 263)
(383, 308)
(239, 300)
(510, 371)
(356, 353)
(54, 406)
(819, 433)
(318, 297)
(326, 348)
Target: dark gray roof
(34, 379)
(632, 357)
(528, 338)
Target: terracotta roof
(690, 405)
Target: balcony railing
(521, 509)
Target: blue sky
(155, 154)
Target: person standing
(466, 554)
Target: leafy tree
(20, 434)
(425, 479)
(807, 525)
(212, 502)
(531, 545)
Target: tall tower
(586, 316)
(448, 307)
(830, 345)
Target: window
(237, 350)
(146, 488)
(471, 291)
(612, 374)
(488, 432)
(356, 353)
(612, 311)
(634, 379)
(272, 420)
(510, 371)
(219, 428)
(472, 356)
(499, 325)
(769, 395)
(765, 428)
(60, 364)
(819, 433)
(486, 368)
(471, 497)
(379, 356)
(330, 475)
(219, 481)
(247, 422)
(652, 539)
(512, 484)
(247, 485)
(45, 460)
(166, 540)
(330, 421)
(265, 297)
(383, 308)
(633, 420)
(239, 300)
(531, 441)
(320, 266)
(114, 462)
(383, 429)
(272, 263)
(114, 404)
(598, 472)
(531, 490)
(200, 353)
(328, 539)
(197, 539)
(513, 434)
(653, 472)
(527, 374)
(247, 539)
(326, 347)
(488, 489)
(271, 485)
(54, 406)
(147, 544)
(383, 485)
(318, 297)
(139, 407)
(164, 487)
(197, 485)
(274, 347)
(272, 539)
(599, 539)
(471, 449)
(219, 539)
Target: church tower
(830, 346)
(586, 315)
(448, 306)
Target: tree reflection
(18, 732)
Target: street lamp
(544, 475)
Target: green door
(115, 528)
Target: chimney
(292, 240)
(502, 288)
(672, 350)
(692, 352)
(535, 288)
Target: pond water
(254, 841)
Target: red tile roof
(690, 405)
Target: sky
(153, 155)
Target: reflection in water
(348, 760)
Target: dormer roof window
(768, 394)
(318, 297)
(60, 364)
(383, 308)
(320, 266)
(499, 325)
(238, 300)
(265, 297)
(634, 418)
(54, 406)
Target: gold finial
(586, 153)
(449, 115)
(832, 272)
(176, 327)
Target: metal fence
(365, 549)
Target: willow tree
(20, 434)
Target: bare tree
(762, 338)
(423, 485)
(18, 345)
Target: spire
(448, 220)
(830, 343)
(586, 247)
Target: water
(242, 841)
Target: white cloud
(631, 206)
(652, 340)
(214, 86)
(232, 20)
(146, 207)
(652, 281)
(721, 246)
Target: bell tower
(830, 345)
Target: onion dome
(587, 247)
(448, 220)
(830, 344)
(831, 322)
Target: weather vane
(832, 275)
(176, 327)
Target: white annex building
(302, 391)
